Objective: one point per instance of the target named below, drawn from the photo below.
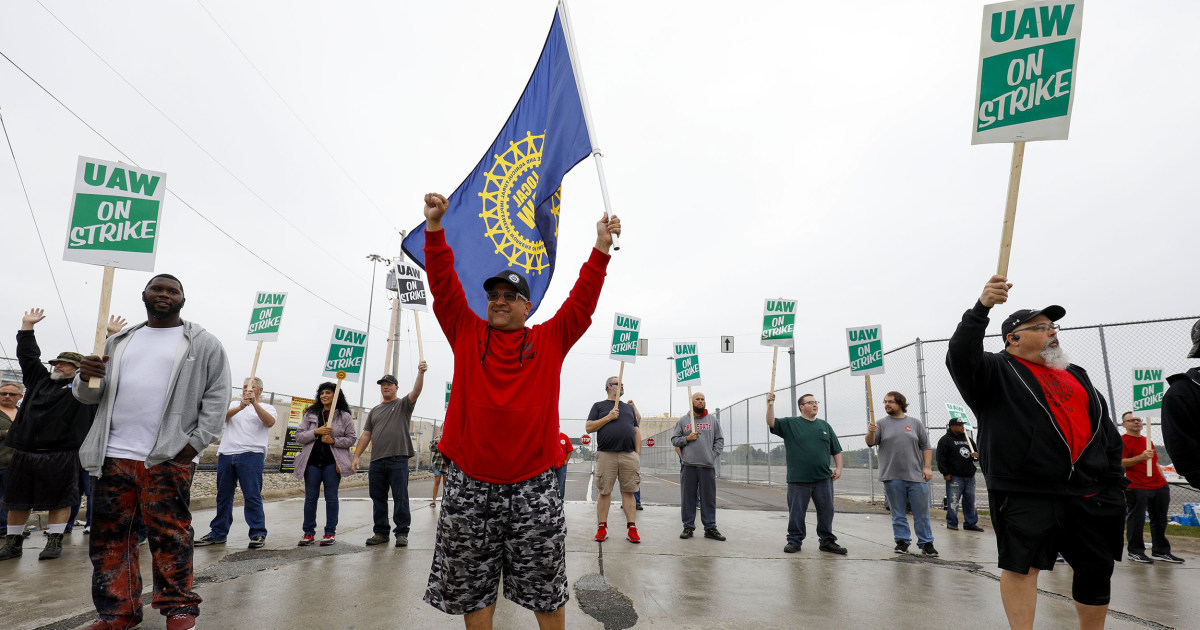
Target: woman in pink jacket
(324, 458)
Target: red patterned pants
(126, 493)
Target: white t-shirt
(245, 432)
(142, 380)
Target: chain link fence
(1109, 353)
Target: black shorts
(1032, 529)
(42, 481)
(489, 531)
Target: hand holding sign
(607, 231)
(995, 291)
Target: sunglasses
(508, 296)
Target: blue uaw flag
(505, 214)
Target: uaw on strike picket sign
(1028, 54)
(347, 347)
(1148, 389)
(266, 316)
(115, 215)
(625, 338)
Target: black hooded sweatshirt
(1021, 448)
(50, 419)
(953, 455)
(1181, 423)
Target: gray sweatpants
(706, 478)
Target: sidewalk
(665, 582)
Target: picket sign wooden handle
(102, 320)
(1149, 445)
(420, 344)
(774, 364)
(1010, 207)
(870, 408)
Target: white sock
(16, 530)
(58, 528)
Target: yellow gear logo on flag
(512, 184)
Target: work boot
(12, 547)
(53, 547)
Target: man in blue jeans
(240, 459)
(956, 457)
(905, 467)
(809, 444)
(389, 425)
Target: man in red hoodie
(502, 515)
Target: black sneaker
(207, 540)
(638, 506)
(791, 548)
(973, 528)
(1167, 557)
(257, 542)
(687, 533)
(953, 528)
(401, 541)
(901, 547)
(832, 547)
(928, 551)
(1139, 557)
(377, 540)
(12, 547)
(713, 533)
(53, 547)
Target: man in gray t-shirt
(905, 467)
(388, 427)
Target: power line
(297, 116)
(41, 241)
(195, 142)
(176, 195)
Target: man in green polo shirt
(808, 442)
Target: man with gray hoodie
(700, 444)
(161, 401)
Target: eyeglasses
(888, 401)
(611, 385)
(17, 395)
(508, 296)
(811, 402)
(1039, 328)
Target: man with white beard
(1050, 454)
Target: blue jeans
(961, 487)
(915, 493)
(85, 484)
(798, 494)
(561, 473)
(246, 470)
(384, 473)
(314, 478)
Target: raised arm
(419, 383)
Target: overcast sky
(818, 151)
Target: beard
(1056, 358)
(697, 411)
(59, 376)
(152, 311)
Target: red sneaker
(327, 540)
(632, 536)
(307, 540)
(181, 621)
(602, 532)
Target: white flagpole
(577, 68)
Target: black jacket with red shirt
(1021, 447)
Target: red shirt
(1068, 404)
(502, 422)
(1138, 479)
(564, 443)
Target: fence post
(921, 399)
(1107, 372)
(748, 440)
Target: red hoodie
(502, 421)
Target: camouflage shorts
(487, 530)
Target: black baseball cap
(1054, 312)
(956, 421)
(1195, 353)
(511, 277)
(388, 378)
